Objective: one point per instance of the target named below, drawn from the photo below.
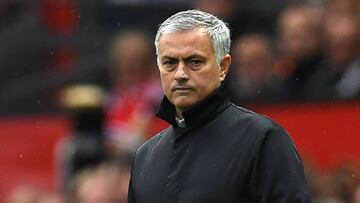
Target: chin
(183, 104)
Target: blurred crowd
(109, 88)
(283, 51)
(313, 56)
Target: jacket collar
(198, 115)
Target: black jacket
(225, 154)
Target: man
(213, 151)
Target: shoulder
(253, 128)
(267, 139)
(265, 133)
(249, 120)
(157, 141)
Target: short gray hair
(218, 31)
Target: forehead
(195, 40)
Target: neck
(194, 115)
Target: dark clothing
(224, 154)
(335, 83)
(270, 91)
(297, 82)
(294, 88)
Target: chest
(202, 166)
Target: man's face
(188, 67)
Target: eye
(169, 64)
(195, 63)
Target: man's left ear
(224, 66)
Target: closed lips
(182, 88)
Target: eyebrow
(194, 56)
(168, 57)
(184, 58)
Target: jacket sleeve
(278, 174)
(131, 197)
(131, 194)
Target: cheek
(165, 81)
(210, 79)
(206, 84)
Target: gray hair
(218, 31)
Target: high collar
(198, 115)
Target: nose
(181, 74)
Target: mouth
(182, 89)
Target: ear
(224, 66)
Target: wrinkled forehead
(192, 38)
(185, 36)
(175, 30)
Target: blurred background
(79, 87)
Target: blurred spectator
(90, 187)
(52, 197)
(33, 39)
(338, 186)
(225, 9)
(238, 15)
(117, 172)
(85, 147)
(323, 185)
(339, 78)
(299, 30)
(60, 17)
(342, 6)
(24, 194)
(328, 200)
(16, 19)
(347, 177)
(136, 91)
(107, 183)
(356, 194)
(252, 72)
(8, 12)
(136, 2)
